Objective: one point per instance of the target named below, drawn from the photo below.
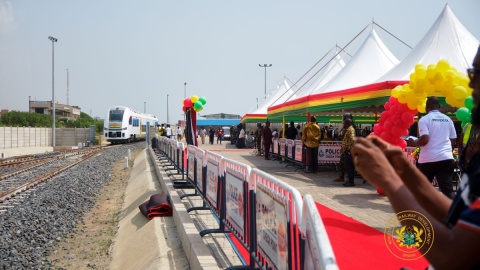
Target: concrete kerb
(198, 254)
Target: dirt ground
(90, 246)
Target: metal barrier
(317, 250)
(278, 208)
(267, 216)
(214, 189)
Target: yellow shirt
(311, 135)
(348, 139)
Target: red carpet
(357, 246)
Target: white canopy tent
(447, 39)
(372, 60)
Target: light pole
(185, 91)
(257, 102)
(168, 116)
(53, 89)
(67, 87)
(265, 66)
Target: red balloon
(184, 109)
(396, 131)
(388, 124)
(380, 191)
(378, 128)
(407, 117)
(188, 103)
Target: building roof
(217, 122)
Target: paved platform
(141, 243)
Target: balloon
(469, 103)
(197, 106)
(407, 118)
(459, 92)
(184, 109)
(202, 100)
(396, 131)
(462, 114)
(188, 102)
(380, 191)
(443, 65)
(194, 99)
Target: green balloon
(462, 114)
(197, 105)
(469, 103)
(202, 100)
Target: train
(124, 125)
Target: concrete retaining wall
(14, 137)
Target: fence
(278, 228)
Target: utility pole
(265, 66)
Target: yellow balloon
(421, 107)
(450, 100)
(395, 92)
(194, 99)
(459, 92)
(443, 65)
(430, 73)
(420, 71)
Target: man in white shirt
(169, 131)
(203, 133)
(179, 133)
(437, 136)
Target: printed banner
(199, 157)
(275, 146)
(272, 228)
(191, 166)
(212, 182)
(289, 149)
(298, 151)
(235, 201)
(329, 153)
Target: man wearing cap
(311, 139)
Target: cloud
(7, 22)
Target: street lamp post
(53, 89)
(265, 66)
(67, 88)
(185, 91)
(168, 116)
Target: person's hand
(394, 154)
(411, 142)
(371, 162)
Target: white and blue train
(123, 125)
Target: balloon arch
(409, 99)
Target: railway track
(26, 172)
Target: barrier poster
(199, 157)
(282, 147)
(235, 201)
(191, 165)
(212, 182)
(272, 228)
(298, 151)
(290, 144)
(275, 146)
(329, 153)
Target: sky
(138, 53)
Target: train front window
(116, 115)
